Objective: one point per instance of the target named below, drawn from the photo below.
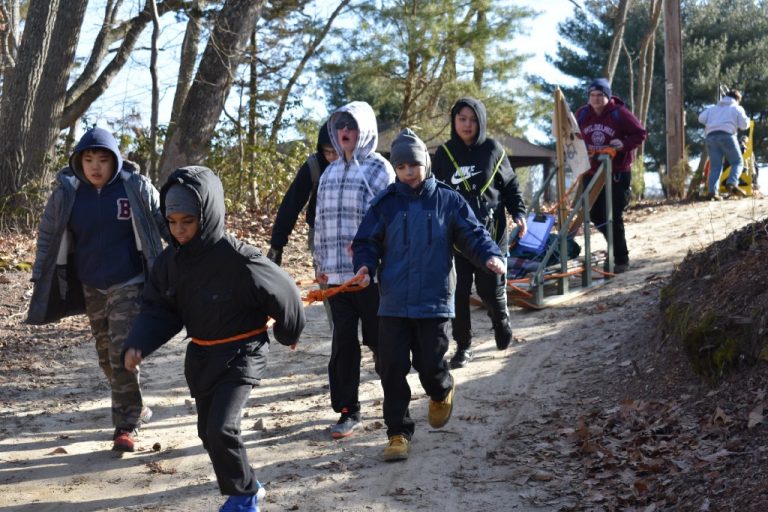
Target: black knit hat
(602, 85)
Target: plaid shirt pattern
(343, 196)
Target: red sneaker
(123, 441)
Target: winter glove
(616, 144)
(275, 255)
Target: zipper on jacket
(429, 228)
(405, 228)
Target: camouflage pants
(111, 314)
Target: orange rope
(349, 286)
(209, 343)
(567, 194)
(605, 151)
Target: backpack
(581, 115)
(314, 170)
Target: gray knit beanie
(408, 148)
(181, 199)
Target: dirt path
(54, 417)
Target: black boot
(461, 358)
(502, 331)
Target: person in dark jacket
(477, 167)
(223, 292)
(406, 238)
(606, 123)
(100, 231)
(301, 193)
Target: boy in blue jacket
(406, 238)
(99, 235)
(223, 292)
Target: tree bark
(187, 62)
(253, 99)
(9, 40)
(205, 101)
(27, 87)
(618, 36)
(152, 171)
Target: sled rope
(353, 285)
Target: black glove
(275, 255)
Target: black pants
(344, 367)
(620, 194)
(492, 290)
(221, 381)
(218, 425)
(427, 340)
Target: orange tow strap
(238, 337)
(312, 296)
(605, 151)
(349, 286)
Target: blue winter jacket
(406, 238)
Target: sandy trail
(54, 417)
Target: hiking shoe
(346, 425)
(502, 331)
(397, 449)
(124, 440)
(715, 197)
(440, 412)
(461, 358)
(246, 503)
(736, 191)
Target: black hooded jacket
(481, 173)
(217, 287)
(301, 193)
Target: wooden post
(673, 69)
(560, 119)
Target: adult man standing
(606, 123)
(721, 122)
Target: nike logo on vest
(464, 173)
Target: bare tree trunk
(619, 23)
(408, 91)
(152, 171)
(253, 98)
(9, 40)
(310, 51)
(646, 60)
(631, 77)
(106, 36)
(645, 66)
(478, 69)
(205, 101)
(187, 62)
(35, 96)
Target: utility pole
(673, 68)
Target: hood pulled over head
(95, 138)
(201, 189)
(365, 118)
(479, 109)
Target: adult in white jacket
(721, 123)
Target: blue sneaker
(247, 503)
